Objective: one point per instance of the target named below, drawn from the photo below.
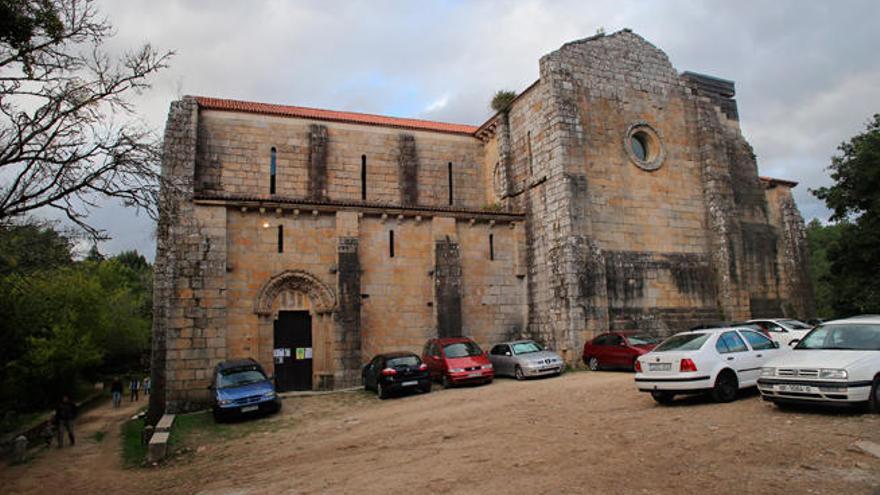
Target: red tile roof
(332, 115)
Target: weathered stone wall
(795, 286)
(234, 158)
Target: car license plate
(474, 375)
(659, 366)
(409, 384)
(249, 408)
(792, 388)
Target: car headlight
(765, 371)
(833, 373)
(487, 366)
(456, 370)
(269, 395)
(225, 402)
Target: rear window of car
(795, 324)
(403, 361)
(462, 349)
(683, 342)
(641, 340)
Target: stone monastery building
(615, 193)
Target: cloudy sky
(807, 73)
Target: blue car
(240, 388)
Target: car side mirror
(622, 343)
(507, 353)
(793, 342)
(776, 345)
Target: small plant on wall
(502, 100)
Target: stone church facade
(614, 193)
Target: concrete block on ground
(158, 446)
(165, 423)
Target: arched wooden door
(293, 352)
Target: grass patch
(189, 430)
(98, 436)
(134, 453)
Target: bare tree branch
(68, 132)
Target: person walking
(134, 386)
(65, 414)
(147, 386)
(116, 391)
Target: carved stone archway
(322, 298)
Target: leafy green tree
(854, 199)
(820, 238)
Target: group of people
(135, 385)
(66, 410)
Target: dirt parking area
(581, 433)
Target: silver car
(524, 358)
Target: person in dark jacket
(134, 386)
(116, 391)
(65, 414)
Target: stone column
(347, 316)
(408, 170)
(447, 277)
(318, 140)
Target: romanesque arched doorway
(296, 326)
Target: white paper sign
(287, 352)
(308, 353)
(278, 353)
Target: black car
(396, 372)
(241, 387)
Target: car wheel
(874, 400)
(593, 363)
(726, 387)
(662, 397)
(445, 381)
(380, 391)
(426, 388)
(518, 373)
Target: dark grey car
(525, 358)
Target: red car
(616, 350)
(457, 360)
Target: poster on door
(300, 353)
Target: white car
(717, 360)
(783, 330)
(837, 362)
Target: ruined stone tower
(614, 193)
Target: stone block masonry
(614, 193)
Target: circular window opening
(642, 144)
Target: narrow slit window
(272, 171)
(449, 176)
(492, 247)
(529, 145)
(363, 177)
(391, 243)
(281, 238)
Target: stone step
(158, 447)
(165, 423)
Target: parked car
(616, 350)
(457, 360)
(720, 361)
(395, 372)
(241, 387)
(525, 358)
(837, 362)
(783, 330)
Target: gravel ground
(581, 433)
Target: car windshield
(526, 347)
(462, 349)
(641, 339)
(795, 324)
(403, 361)
(850, 337)
(683, 342)
(238, 377)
